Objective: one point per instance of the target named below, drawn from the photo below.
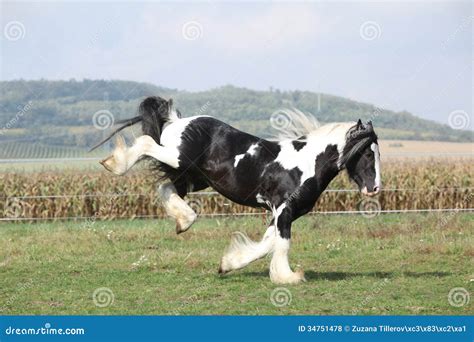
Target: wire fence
(372, 212)
(30, 199)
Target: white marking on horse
(123, 158)
(252, 150)
(173, 131)
(316, 143)
(176, 207)
(173, 116)
(375, 148)
(280, 271)
(277, 212)
(242, 250)
(238, 158)
(146, 145)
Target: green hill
(59, 113)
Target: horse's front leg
(280, 271)
(242, 251)
(123, 157)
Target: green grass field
(390, 264)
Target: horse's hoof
(179, 229)
(105, 163)
(117, 161)
(110, 164)
(300, 274)
(289, 279)
(221, 270)
(184, 222)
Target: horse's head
(361, 158)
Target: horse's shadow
(335, 276)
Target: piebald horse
(285, 177)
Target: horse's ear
(359, 124)
(170, 103)
(369, 126)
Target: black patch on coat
(298, 144)
(326, 167)
(279, 183)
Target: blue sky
(414, 56)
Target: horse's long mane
(292, 124)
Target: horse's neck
(326, 178)
(305, 197)
(326, 168)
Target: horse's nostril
(376, 189)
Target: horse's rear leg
(176, 207)
(123, 157)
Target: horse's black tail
(153, 112)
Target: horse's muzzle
(374, 192)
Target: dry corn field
(428, 184)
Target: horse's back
(230, 160)
(200, 136)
